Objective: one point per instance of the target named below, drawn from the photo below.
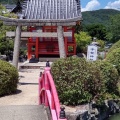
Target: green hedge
(79, 81)
(8, 78)
(114, 58)
(73, 80)
(114, 46)
(69, 75)
(111, 79)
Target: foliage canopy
(114, 58)
(8, 78)
(79, 81)
(82, 40)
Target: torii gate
(45, 13)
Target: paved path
(27, 93)
(33, 112)
(24, 104)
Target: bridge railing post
(47, 86)
(62, 114)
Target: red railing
(48, 94)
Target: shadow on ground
(22, 83)
(17, 92)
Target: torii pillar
(61, 42)
(17, 46)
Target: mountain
(7, 1)
(101, 16)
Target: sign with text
(92, 53)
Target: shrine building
(50, 25)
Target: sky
(89, 5)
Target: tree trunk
(61, 42)
(16, 46)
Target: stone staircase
(39, 65)
(51, 59)
(24, 112)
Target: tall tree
(6, 44)
(115, 28)
(97, 30)
(82, 40)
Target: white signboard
(92, 53)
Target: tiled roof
(51, 9)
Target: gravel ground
(27, 92)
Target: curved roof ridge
(51, 9)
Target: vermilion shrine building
(50, 27)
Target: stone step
(39, 65)
(51, 59)
(23, 112)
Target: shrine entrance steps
(29, 66)
(38, 65)
(51, 59)
(23, 112)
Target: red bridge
(48, 95)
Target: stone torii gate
(40, 13)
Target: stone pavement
(24, 104)
(27, 65)
(33, 112)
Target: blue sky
(89, 5)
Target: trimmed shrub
(111, 79)
(114, 58)
(8, 78)
(69, 75)
(77, 81)
(95, 83)
(114, 46)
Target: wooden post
(17, 46)
(74, 41)
(66, 41)
(29, 49)
(61, 42)
(37, 47)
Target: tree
(97, 30)
(114, 34)
(82, 39)
(6, 44)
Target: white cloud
(92, 5)
(113, 5)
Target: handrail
(48, 94)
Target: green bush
(8, 78)
(82, 41)
(114, 58)
(114, 46)
(111, 79)
(69, 75)
(95, 83)
(77, 81)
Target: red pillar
(29, 48)
(74, 41)
(65, 40)
(37, 47)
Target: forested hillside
(103, 24)
(7, 1)
(99, 16)
(89, 17)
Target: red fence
(48, 94)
